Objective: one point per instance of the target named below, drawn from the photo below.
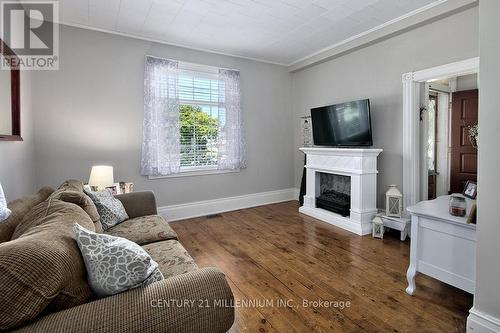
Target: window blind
(201, 113)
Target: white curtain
(231, 144)
(161, 144)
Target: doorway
(463, 148)
(413, 85)
(448, 150)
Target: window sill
(195, 172)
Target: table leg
(404, 233)
(412, 269)
(410, 276)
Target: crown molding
(432, 12)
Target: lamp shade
(101, 176)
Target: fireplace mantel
(361, 166)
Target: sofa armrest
(198, 301)
(138, 203)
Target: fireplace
(342, 187)
(335, 193)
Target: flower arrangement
(473, 133)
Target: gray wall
(375, 72)
(487, 297)
(91, 110)
(16, 157)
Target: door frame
(411, 120)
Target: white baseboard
(479, 322)
(208, 207)
(296, 193)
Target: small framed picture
(114, 189)
(470, 189)
(126, 187)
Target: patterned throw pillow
(115, 264)
(110, 209)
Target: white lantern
(377, 227)
(393, 201)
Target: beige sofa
(189, 299)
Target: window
(192, 119)
(200, 116)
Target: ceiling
(277, 31)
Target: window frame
(209, 72)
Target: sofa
(43, 285)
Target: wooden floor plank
(274, 253)
(356, 268)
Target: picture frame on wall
(470, 189)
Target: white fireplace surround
(361, 166)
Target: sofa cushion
(171, 256)
(84, 201)
(19, 208)
(72, 191)
(41, 269)
(143, 230)
(115, 264)
(69, 185)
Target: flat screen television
(342, 125)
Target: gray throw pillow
(115, 264)
(110, 209)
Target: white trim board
(411, 121)
(479, 322)
(208, 207)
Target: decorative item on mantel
(393, 201)
(378, 228)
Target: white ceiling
(278, 31)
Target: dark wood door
(463, 153)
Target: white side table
(442, 246)
(402, 224)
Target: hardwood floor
(274, 253)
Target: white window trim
(195, 171)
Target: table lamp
(101, 176)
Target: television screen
(346, 124)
